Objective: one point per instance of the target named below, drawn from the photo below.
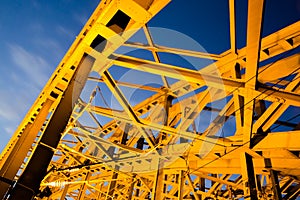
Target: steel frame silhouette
(153, 149)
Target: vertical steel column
(254, 29)
(274, 179)
(201, 186)
(112, 186)
(138, 184)
(250, 191)
(158, 188)
(275, 184)
(130, 190)
(181, 185)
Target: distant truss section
(124, 116)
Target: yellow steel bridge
(92, 133)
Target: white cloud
(49, 46)
(81, 18)
(65, 32)
(36, 27)
(16, 98)
(24, 81)
(12, 109)
(35, 4)
(8, 107)
(9, 129)
(32, 65)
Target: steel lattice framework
(81, 147)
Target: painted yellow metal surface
(152, 148)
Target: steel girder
(153, 148)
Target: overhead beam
(228, 85)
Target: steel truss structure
(82, 147)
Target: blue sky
(35, 34)
(34, 37)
